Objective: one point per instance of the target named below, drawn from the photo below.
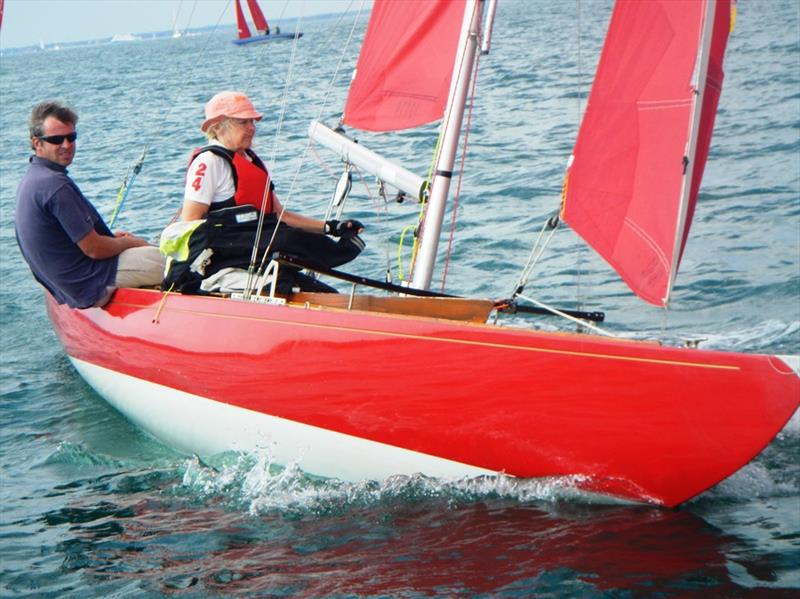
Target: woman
(227, 174)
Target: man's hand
(100, 247)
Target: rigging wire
(175, 19)
(136, 168)
(191, 14)
(579, 255)
(285, 203)
(283, 10)
(251, 269)
(552, 224)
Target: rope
(558, 312)
(437, 152)
(457, 195)
(383, 211)
(400, 253)
(321, 162)
(161, 303)
(537, 250)
(423, 204)
(125, 188)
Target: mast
(699, 83)
(453, 117)
(486, 42)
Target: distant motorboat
(124, 37)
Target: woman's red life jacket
(250, 179)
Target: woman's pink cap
(229, 104)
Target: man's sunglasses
(59, 139)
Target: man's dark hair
(45, 109)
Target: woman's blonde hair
(212, 132)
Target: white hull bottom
(198, 425)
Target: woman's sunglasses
(57, 140)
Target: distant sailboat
(263, 32)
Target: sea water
(92, 507)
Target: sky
(28, 22)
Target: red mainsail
(403, 74)
(624, 187)
(258, 17)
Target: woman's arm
(193, 210)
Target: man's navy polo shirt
(52, 216)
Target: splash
(761, 337)
(252, 482)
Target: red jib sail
(241, 24)
(258, 17)
(625, 192)
(403, 73)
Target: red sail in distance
(258, 17)
(624, 186)
(241, 24)
(403, 74)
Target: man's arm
(100, 247)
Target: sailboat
(263, 32)
(312, 377)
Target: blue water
(91, 507)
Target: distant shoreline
(149, 35)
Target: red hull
(640, 421)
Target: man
(62, 237)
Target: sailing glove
(344, 229)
